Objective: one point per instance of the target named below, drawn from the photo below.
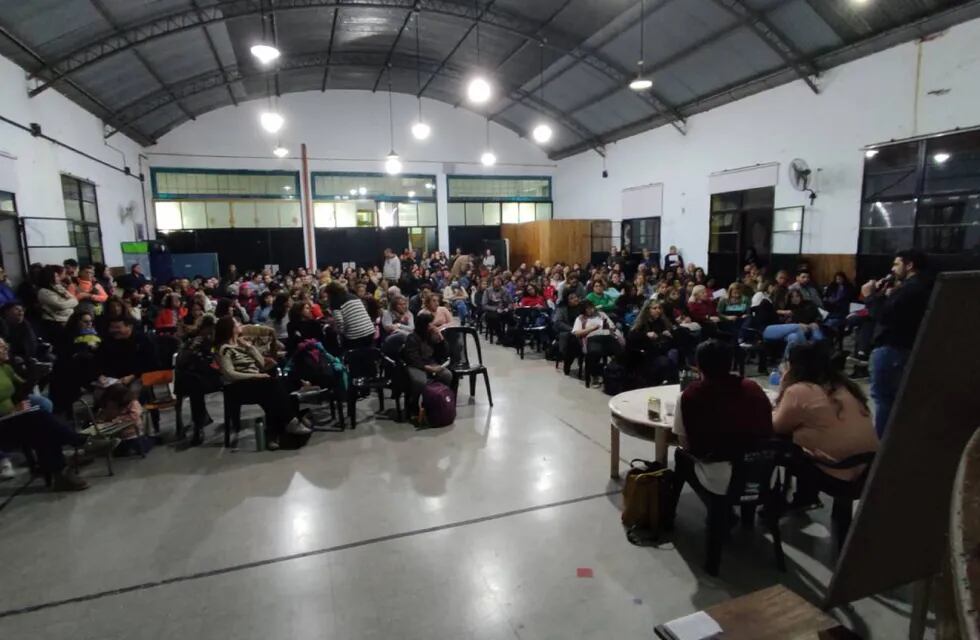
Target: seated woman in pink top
(826, 413)
(441, 316)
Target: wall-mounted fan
(801, 176)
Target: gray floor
(473, 531)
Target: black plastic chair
(365, 367)
(751, 486)
(530, 331)
(844, 493)
(459, 358)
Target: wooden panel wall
(549, 241)
(823, 266)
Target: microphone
(886, 281)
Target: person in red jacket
(717, 417)
(532, 299)
(701, 308)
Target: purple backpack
(439, 403)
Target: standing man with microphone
(897, 303)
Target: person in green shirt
(602, 300)
(23, 425)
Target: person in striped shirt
(350, 317)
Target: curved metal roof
(147, 66)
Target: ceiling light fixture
(280, 151)
(488, 158)
(393, 164)
(542, 132)
(870, 153)
(478, 90)
(941, 157)
(265, 53)
(271, 121)
(361, 191)
(411, 194)
(420, 130)
(639, 83)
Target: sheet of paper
(697, 626)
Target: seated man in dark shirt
(717, 417)
(126, 354)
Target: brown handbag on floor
(647, 497)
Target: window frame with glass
(81, 204)
(505, 204)
(937, 193)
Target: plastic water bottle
(775, 378)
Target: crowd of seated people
(237, 331)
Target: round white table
(630, 416)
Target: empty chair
(459, 358)
(367, 373)
(531, 329)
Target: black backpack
(614, 379)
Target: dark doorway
(741, 226)
(11, 251)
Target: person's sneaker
(272, 445)
(68, 480)
(7, 470)
(297, 428)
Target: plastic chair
(367, 373)
(459, 358)
(751, 486)
(844, 493)
(530, 331)
(233, 404)
(158, 387)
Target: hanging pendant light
(271, 121)
(393, 163)
(479, 89)
(420, 130)
(488, 159)
(640, 83)
(542, 132)
(264, 53)
(280, 151)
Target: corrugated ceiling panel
(179, 56)
(668, 29)
(126, 12)
(526, 119)
(118, 80)
(613, 112)
(577, 85)
(54, 27)
(804, 28)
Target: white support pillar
(442, 211)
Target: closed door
(11, 253)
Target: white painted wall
(31, 167)
(348, 131)
(864, 102)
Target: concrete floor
(475, 531)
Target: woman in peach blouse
(441, 316)
(826, 414)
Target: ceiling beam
(326, 67)
(391, 50)
(774, 39)
(139, 55)
(214, 52)
(146, 105)
(106, 113)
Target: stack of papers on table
(697, 626)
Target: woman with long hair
(803, 322)
(837, 299)
(56, 302)
(652, 346)
(279, 316)
(242, 368)
(826, 413)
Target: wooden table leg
(613, 452)
(660, 445)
